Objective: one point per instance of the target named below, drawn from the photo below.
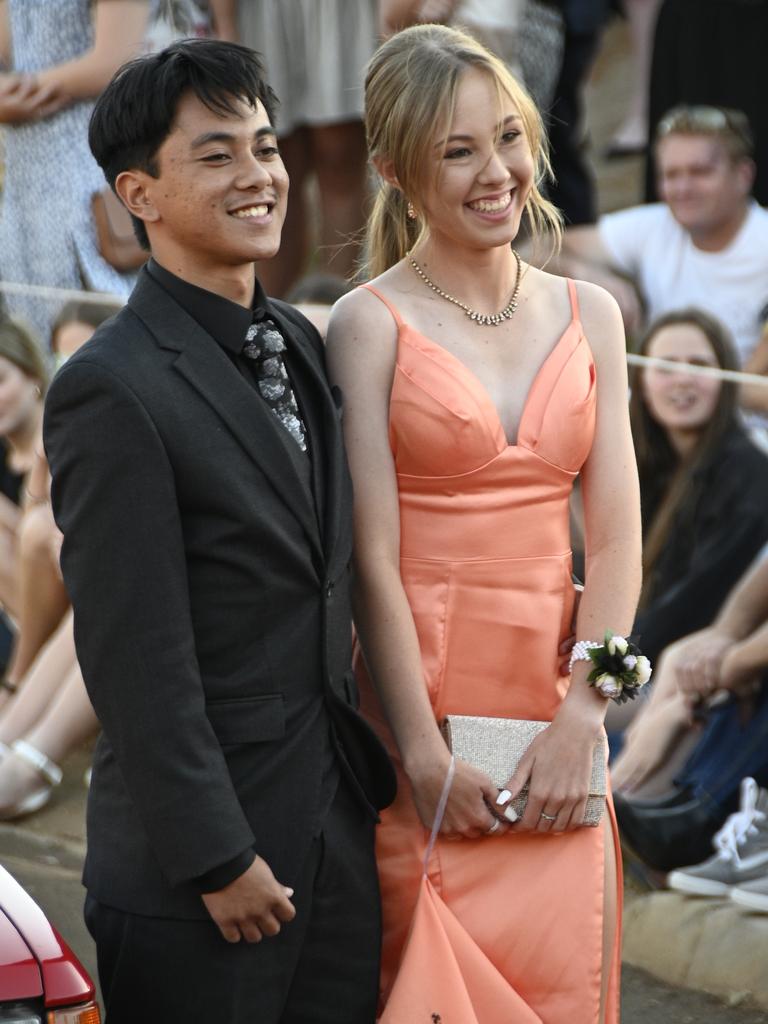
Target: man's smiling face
(704, 188)
(219, 199)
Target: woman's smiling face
(481, 170)
(677, 400)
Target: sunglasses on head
(714, 120)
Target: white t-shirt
(648, 244)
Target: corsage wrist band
(619, 671)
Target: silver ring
(494, 828)
(548, 817)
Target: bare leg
(68, 721)
(340, 163)
(633, 131)
(278, 274)
(42, 598)
(40, 685)
(610, 915)
(10, 519)
(8, 572)
(654, 738)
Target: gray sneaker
(753, 894)
(742, 850)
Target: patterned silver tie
(264, 344)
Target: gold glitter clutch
(495, 746)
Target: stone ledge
(706, 944)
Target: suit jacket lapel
(308, 370)
(206, 367)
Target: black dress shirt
(227, 323)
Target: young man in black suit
(201, 486)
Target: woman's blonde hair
(410, 88)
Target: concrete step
(707, 944)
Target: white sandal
(38, 798)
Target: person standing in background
(59, 54)
(315, 53)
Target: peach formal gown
(509, 929)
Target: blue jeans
(730, 748)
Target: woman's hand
(467, 813)
(558, 769)
(565, 648)
(698, 670)
(23, 99)
(649, 740)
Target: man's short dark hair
(134, 115)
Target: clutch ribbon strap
(442, 803)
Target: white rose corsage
(620, 669)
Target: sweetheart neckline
(481, 388)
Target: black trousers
(323, 967)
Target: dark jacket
(211, 601)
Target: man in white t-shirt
(705, 245)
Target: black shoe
(669, 837)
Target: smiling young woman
(471, 405)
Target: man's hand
(252, 906)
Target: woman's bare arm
(361, 358)
(117, 33)
(559, 761)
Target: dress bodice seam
(567, 553)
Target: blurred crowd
(688, 265)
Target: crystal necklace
(481, 319)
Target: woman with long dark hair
(23, 382)
(703, 483)
(704, 488)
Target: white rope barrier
(66, 294)
(61, 295)
(694, 370)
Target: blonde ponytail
(390, 232)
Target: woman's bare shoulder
(368, 314)
(593, 300)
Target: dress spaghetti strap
(397, 318)
(574, 300)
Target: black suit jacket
(211, 600)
